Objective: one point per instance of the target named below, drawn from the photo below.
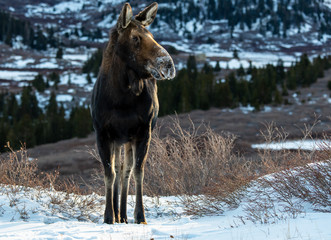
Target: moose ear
(147, 16)
(125, 16)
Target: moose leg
(140, 158)
(107, 155)
(126, 174)
(117, 183)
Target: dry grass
(199, 165)
(189, 161)
(295, 178)
(19, 174)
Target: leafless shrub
(298, 177)
(187, 162)
(20, 175)
(199, 165)
(17, 169)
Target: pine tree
(241, 71)
(93, 63)
(29, 104)
(217, 67)
(81, 122)
(38, 83)
(277, 98)
(222, 95)
(40, 41)
(59, 53)
(55, 78)
(235, 54)
(88, 78)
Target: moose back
(124, 107)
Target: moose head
(137, 47)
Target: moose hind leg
(126, 174)
(117, 184)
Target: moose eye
(136, 39)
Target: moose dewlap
(124, 107)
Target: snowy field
(27, 213)
(165, 221)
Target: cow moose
(124, 107)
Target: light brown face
(139, 50)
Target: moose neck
(119, 78)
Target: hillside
(36, 32)
(260, 30)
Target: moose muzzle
(162, 67)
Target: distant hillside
(209, 26)
(279, 18)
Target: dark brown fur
(124, 107)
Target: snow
(18, 62)
(311, 144)
(28, 213)
(64, 98)
(246, 109)
(327, 3)
(42, 224)
(17, 75)
(47, 63)
(75, 78)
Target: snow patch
(311, 145)
(17, 75)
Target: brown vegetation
(201, 167)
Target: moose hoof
(143, 221)
(108, 220)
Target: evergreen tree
(222, 95)
(241, 71)
(55, 78)
(38, 83)
(59, 53)
(235, 54)
(93, 63)
(40, 41)
(80, 121)
(29, 104)
(277, 98)
(88, 78)
(217, 67)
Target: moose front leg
(129, 150)
(142, 147)
(107, 155)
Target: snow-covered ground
(259, 213)
(165, 221)
(312, 226)
(27, 213)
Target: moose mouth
(156, 74)
(163, 69)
